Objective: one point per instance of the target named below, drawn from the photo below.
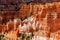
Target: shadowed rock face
(14, 2)
(14, 5)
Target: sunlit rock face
(41, 20)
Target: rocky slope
(42, 20)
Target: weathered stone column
(50, 22)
